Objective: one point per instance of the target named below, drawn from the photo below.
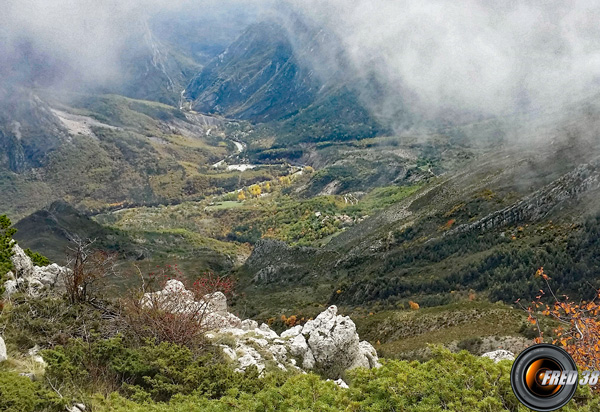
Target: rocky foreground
(329, 344)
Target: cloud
(87, 37)
(479, 56)
(431, 57)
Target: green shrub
(47, 322)
(37, 258)
(6, 233)
(20, 394)
(149, 372)
(448, 382)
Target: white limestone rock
(3, 355)
(266, 331)
(249, 324)
(292, 332)
(249, 357)
(298, 346)
(229, 352)
(499, 355)
(334, 344)
(328, 344)
(217, 303)
(340, 382)
(33, 280)
(369, 353)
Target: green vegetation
(37, 258)
(6, 233)
(455, 382)
(20, 394)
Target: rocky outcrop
(211, 311)
(3, 355)
(499, 355)
(571, 186)
(329, 344)
(274, 261)
(31, 279)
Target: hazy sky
(477, 55)
(474, 54)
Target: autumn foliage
(179, 316)
(578, 330)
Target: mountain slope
(51, 230)
(257, 78)
(484, 228)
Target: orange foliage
(413, 305)
(579, 330)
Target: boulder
(3, 355)
(328, 344)
(499, 355)
(335, 345)
(33, 280)
(249, 324)
(217, 302)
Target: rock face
(328, 344)
(34, 280)
(499, 355)
(211, 310)
(3, 355)
(331, 345)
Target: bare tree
(90, 269)
(166, 311)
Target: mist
(86, 39)
(434, 58)
(477, 56)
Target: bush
(154, 372)
(20, 394)
(454, 382)
(6, 233)
(48, 322)
(37, 258)
(177, 314)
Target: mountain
(51, 230)
(484, 227)
(258, 77)
(29, 131)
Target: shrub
(579, 325)
(150, 372)
(452, 382)
(6, 233)
(177, 315)
(48, 322)
(90, 268)
(20, 394)
(37, 258)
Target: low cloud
(478, 56)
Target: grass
(230, 204)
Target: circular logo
(544, 377)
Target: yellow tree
(255, 190)
(267, 187)
(241, 195)
(285, 180)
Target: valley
(257, 165)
